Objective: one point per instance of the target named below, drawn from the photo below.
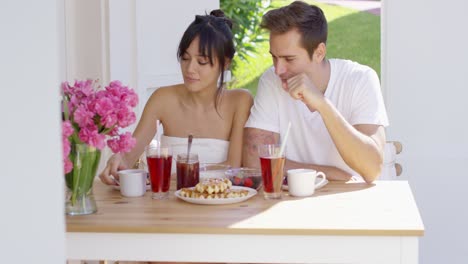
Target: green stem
(85, 163)
(65, 108)
(76, 171)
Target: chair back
(391, 169)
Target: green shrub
(246, 15)
(352, 35)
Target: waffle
(213, 186)
(192, 193)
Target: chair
(391, 169)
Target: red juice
(272, 173)
(160, 172)
(188, 174)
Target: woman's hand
(114, 164)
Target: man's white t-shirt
(354, 90)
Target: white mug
(132, 182)
(302, 182)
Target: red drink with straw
(272, 164)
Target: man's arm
(360, 146)
(254, 137)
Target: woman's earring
(227, 77)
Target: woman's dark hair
(215, 35)
(309, 20)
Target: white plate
(317, 180)
(252, 192)
(117, 187)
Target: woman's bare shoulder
(170, 90)
(238, 101)
(162, 94)
(239, 95)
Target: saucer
(117, 187)
(317, 180)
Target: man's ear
(320, 52)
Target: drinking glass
(213, 170)
(272, 164)
(159, 160)
(188, 170)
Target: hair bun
(219, 13)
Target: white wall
(426, 76)
(31, 189)
(143, 40)
(86, 50)
(127, 40)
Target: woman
(201, 106)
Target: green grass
(352, 35)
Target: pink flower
(114, 132)
(83, 117)
(104, 106)
(66, 151)
(126, 118)
(68, 165)
(124, 143)
(66, 88)
(129, 97)
(93, 114)
(122, 93)
(109, 121)
(67, 129)
(91, 136)
(132, 99)
(84, 87)
(66, 148)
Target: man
(335, 106)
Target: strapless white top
(209, 150)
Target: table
(341, 223)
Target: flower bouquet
(92, 117)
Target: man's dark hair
(309, 20)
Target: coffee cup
(302, 182)
(132, 182)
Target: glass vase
(79, 198)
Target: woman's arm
(144, 132)
(242, 100)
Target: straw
(158, 132)
(283, 144)
(277, 169)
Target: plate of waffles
(234, 194)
